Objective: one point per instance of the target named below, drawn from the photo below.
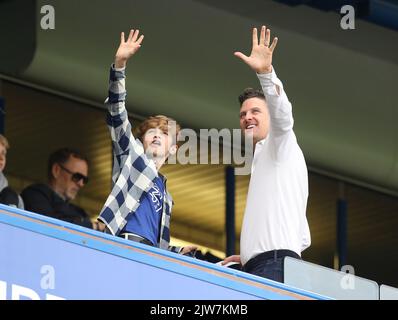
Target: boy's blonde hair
(159, 121)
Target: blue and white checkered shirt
(133, 172)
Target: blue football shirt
(146, 220)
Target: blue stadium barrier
(46, 258)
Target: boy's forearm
(120, 63)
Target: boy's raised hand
(127, 48)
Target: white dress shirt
(275, 214)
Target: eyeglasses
(76, 176)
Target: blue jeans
(269, 264)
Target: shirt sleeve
(281, 133)
(123, 141)
(117, 119)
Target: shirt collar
(261, 142)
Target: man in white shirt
(274, 223)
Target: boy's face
(158, 143)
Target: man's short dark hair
(61, 156)
(251, 93)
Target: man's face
(3, 154)
(158, 143)
(64, 178)
(254, 118)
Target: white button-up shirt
(275, 214)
